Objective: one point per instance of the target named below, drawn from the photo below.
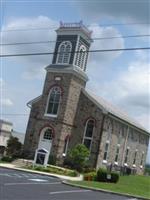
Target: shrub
(78, 157)
(14, 147)
(101, 175)
(55, 170)
(7, 159)
(52, 160)
(114, 177)
(91, 176)
(87, 168)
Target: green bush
(101, 175)
(78, 157)
(56, 170)
(91, 176)
(114, 177)
(7, 159)
(52, 160)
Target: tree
(14, 147)
(78, 156)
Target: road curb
(38, 172)
(105, 191)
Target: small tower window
(53, 101)
(87, 140)
(64, 52)
(82, 55)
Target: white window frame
(81, 58)
(117, 154)
(47, 105)
(51, 134)
(65, 43)
(66, 146)
(126, 156)
(135, 158)
(88, 138)
(105, 159)
(142, 159)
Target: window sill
(104, 161)
(116, 163)
(50, 115)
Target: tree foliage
(14, 147)
(78, 157)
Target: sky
(123, 77)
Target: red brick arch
(47, 126)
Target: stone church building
(66, 113)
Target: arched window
(81, 60)
(66, 142)
(109, 130)
(48, 134)
(64, 52)
(88, 133)
(53, 101)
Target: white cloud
(34, 64)
(105, 32)
(135, 11)
(130, 90)
(6, 102)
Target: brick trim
(47, 126)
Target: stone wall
(75, 109)
(126, 137)
(63, 123)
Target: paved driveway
(17, 185)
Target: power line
(14, 114)
(54, 41)
(90, 51)
(92, 25)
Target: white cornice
(71, 69)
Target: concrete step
(22, 162)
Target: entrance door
(45, 140)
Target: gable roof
(111, 109)
(29, 104)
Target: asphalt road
(19, 185)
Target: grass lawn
(135, 185)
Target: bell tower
(53, 112)
(72, 45)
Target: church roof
(111, 109)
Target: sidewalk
(67, 178)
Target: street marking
(69, 191)
(132, 199)
(26, 176)
(6, 175)
(38, 180)
(31, 183)
(19, 176)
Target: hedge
(91, 176)
(104, 176)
